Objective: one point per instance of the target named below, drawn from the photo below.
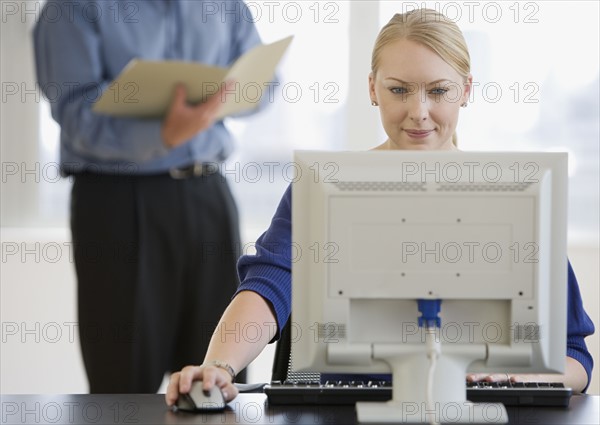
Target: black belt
(197, 169)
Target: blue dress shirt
(82, 46)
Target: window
(308, 111)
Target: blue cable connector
(429, 310)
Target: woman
(420, 79)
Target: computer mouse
(198, 399)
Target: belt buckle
(193, 170)
(197, 169)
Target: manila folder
(144, 89)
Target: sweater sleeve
(579, 325)
(269, 271)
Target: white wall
(40, 345)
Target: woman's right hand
(181, 382)
(246, 307)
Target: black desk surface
(245, 409)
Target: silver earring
(374, 103)
(464, 105)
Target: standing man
(155, 229)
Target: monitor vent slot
(328, 333)
(529, 332)
(293, 375)
(483, 187)
(331, 332)
(381, 186)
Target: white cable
(433, 352)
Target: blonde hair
(431, 29)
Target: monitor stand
(410, 367)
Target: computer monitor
(484, 232)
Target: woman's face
(419, 96)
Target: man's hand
(184, 121)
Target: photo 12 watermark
(467, 252)
(68, 11)
(53, 332)
(235, 171)
(491, 12)
(69, 411)
(130, 92)
(450, 332)
(282, 12)
(288, 12)
(468, 172)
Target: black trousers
(156, 267)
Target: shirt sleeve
(269, 271)
(70, 74)
(579, 325)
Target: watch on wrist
(225, 366)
